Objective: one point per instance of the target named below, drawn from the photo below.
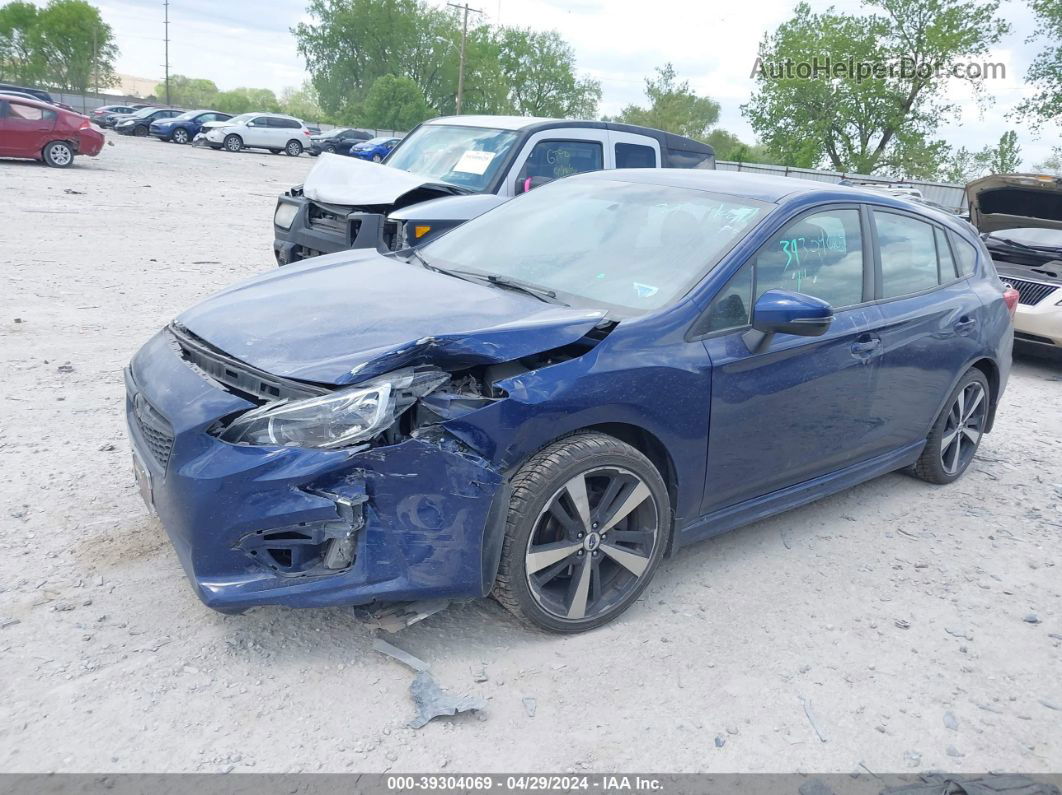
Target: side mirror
(524, 184)
(250, 124)
(785, 312)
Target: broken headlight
(341, 418)
(285, 214)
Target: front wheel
(58, 154)
(140, 131)
(953, 441)
(180, 136)
(330, 149)
(293, 149)
(233, 143)
(376, 158)
(589, 520)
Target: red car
(40, 131)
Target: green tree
(1045, 72)
(350, 44)
(189, 92)
(962, 166)
(233, 102)
(538, 69)
(1052, 164)
(1004, 158)
(76, 46)
(19, 61)
(673, 106)
(395, 103)
(301, 103)
(866, 122)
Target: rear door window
(29, 113)
(908, 254)
(965, 255)
(635, 156)
(947, 261)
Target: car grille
(1031, 293)
(326, 220)
(156, 431)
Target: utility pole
(166, 39)
(461, 64)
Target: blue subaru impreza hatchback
(544, 402)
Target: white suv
(272, 131)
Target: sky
(618, 42)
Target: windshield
(374, 141)
(143, 112)
(1031, 236)
(465, 156)
(243, 118)
(191, 114)
(621, 245)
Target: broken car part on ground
(547, 400)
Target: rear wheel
(58, 154)
(233, 143)
(588, 523)
(953, 442)
(180, 136)
(294, 148)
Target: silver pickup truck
(451, 169)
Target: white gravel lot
(109, 662)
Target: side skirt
(734, 516)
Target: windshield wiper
(1016, 244)
(541, 293)
(467, 276)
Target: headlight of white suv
(340, 419)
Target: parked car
(35, 93)
(272, 131)
(183, 128)
(99, 114)
(111, 119)
(337, 141)
(375, 149)
(581, 381)
(139, 123)
(468, 164)
(1020, 218)
(37, 130)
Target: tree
(189, 92)
(1045, 72)
(878, 103)
(350, 44)
(728, 146)
(234, 102)
(538, 69)
(301, 103)
(395, 103)
(77, 46)
(673, 106)
(1004, 158)
(1052, 164)
(19, 61)
(963, 166)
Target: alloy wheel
(180, 136)
(592, 543)
(963, 428)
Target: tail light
(1010, 298)
(305, 132)
(84, 124)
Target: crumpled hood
(338, 179)
(346, 317)
(1013, 201)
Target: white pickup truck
(451, 169)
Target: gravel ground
(895, 626)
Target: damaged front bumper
(304, 229)
(306, 527)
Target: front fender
(443, 214)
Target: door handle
(965, 325)
(865, 346)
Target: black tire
(544, 481)
(140, 131)
(951, 446)
(233, 142)
(293, 148)
(180, 136)
(58, 154)
(377, 159)
(330, 149)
